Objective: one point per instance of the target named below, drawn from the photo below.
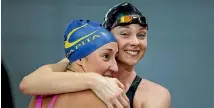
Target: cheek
(91, 63)
(143, 43)
(99, 66)
(122, 43)
(102, 67)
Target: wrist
(92, 80)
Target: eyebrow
(143, 28)
(109, 49)
(126, 26)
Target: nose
(113, 66)
(134, 41)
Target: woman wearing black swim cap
(129, 27)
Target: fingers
(123, 92)
(109, 105)
(112, 94)
(120, 100)
(120, 85)
(123, 101)
(125, 97)
(116, 103)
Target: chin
(130, 62)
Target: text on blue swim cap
(81, 42)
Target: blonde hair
(74, 67)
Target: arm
(50, 79)
(46, 81)
(166, 100)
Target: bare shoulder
(153, 94)
(79, 99)
(32, 102)
(153, 87)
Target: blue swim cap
(82, 37)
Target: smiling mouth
(132, 53)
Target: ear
(80, 62)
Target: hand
(110, 91)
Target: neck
(125, 75)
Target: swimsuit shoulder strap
(132, 89)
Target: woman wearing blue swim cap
(87, 45)
(129, 27)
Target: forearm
(46, 83)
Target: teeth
(132, 52)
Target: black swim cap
(124, 13)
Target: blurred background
(180, 43)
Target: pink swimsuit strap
(52, 102)
(39, 102)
